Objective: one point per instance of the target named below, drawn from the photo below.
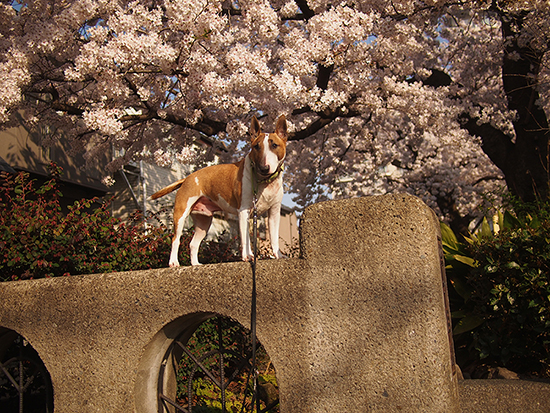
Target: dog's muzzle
(263, 171)
(263, 175)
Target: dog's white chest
(269, 195)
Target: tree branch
(323, 76)
(325, 118)
(496, 144)
(307, 13)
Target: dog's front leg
(274, 223)
(246, 250)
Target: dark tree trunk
(525, 162)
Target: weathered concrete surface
(504, 396)
(376, 301)
(358, 324)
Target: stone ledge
(504, 396)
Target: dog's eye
(274, 145)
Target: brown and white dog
(231, 188)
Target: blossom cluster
(150, 77)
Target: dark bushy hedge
(500, 298)
(38, 239)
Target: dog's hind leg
(178, 230)
(202, 224)
(180, 215)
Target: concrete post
(380, 328)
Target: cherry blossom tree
(447, 100)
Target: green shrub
(38, 239)
(500, 295)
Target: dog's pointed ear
(254, 128)
(280, 128)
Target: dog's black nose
(264, 170)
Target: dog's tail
(168, 189)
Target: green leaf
(450, 252)
(491, 269)
(460, 285)
(458, 314)
(535, 222)
(510, 221)
(448, 237)
(468, 323)
(469, 261)
(500, 216)
(486, 228)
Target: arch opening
(25, 383)
(207, 368)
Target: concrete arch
(360, 320)
(151, 368)
(150, 364)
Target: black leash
(253, 371)
(253, 305)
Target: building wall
(24, 150)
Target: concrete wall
(359, 323)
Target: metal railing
(219, 372)
(25, 384)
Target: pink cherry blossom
(357, 81)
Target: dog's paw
(273, 257)
(174, 264)
(279, 254)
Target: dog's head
(268, 150)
